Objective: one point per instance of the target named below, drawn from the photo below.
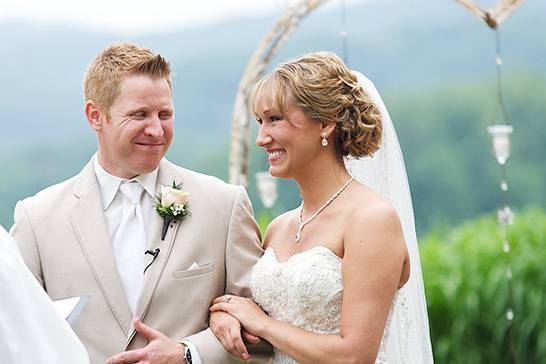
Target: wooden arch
(255, 69)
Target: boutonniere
(172, 205)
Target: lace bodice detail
(305, 291)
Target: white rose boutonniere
(172, 205)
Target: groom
(99, 233)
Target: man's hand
(228, 330)
(160, 349)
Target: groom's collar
(109, 184)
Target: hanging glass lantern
(500, 137)
(267, 188)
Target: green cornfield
(467, 292)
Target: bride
(340, 280)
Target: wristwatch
(187, 355)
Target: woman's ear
(326, 129)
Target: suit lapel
(166, 176)
(89, 223)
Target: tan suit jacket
(63, 237)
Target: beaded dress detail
(307, 291)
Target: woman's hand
(228, 330)
(250, 315)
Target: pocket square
(194, 266)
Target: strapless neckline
(303, 253)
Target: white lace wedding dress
(307, 291)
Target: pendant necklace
(303, 223)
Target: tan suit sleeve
(23, 234)
(243, 249)
(243, 246)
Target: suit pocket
(186, 273)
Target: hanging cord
(505, 219)
(504, 200)
(507, 250)
(500, 95)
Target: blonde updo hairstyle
(327, 91)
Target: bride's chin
(277, 172)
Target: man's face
(140, 128)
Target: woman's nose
(263, 138)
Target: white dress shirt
(112, 202)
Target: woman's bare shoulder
(279, 225)
(373, 219)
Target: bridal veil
(384, 172)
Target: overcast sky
(138, 16)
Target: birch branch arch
(255, 69)
(495, 16)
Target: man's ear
(94, 115)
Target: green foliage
(263, 219)
(467, 291)
(447, 149)
(171, 212)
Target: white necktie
(130, 243)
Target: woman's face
(291, 141)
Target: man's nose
(154, 127)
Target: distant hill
(426, 57)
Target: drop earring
(324, 141)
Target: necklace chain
(303, 223)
